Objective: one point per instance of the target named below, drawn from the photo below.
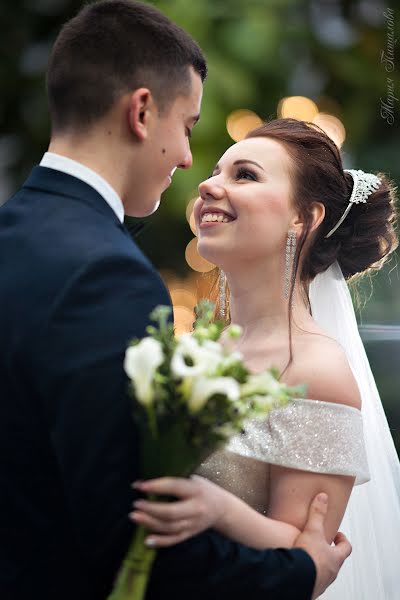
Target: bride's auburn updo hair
(367, 235)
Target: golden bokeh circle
(240, 122)
(332, 126)
(192, 224)
(183, 297)
(183, 319)
(297, 107)
(189, 208)
(194, 260)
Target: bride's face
(244, 211)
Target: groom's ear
(140, 109)
(317, 216)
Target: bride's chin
(212, 257)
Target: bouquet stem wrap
(134, 574)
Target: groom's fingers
(343, 547)
(317, 513)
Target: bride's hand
(200, 505)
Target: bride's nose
(210, 188)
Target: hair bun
(368, 236)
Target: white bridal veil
(372, 519)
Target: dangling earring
(289, 262)
(222, 294)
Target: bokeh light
(240, 122)
(192, 224)
(183, 319)
(190, 215)
(182, 296)
(194, 260)
(297, 107)
(189, 207)
(332, 126)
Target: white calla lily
(232, 359)
(262, 384)
(140, 364)
(191, 359)
(203, 388)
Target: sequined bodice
(309, 435)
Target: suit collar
(55, 182)
(72, 167)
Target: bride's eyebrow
(246, 160)
(241, 161)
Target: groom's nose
(187, 161)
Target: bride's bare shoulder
(321, 364)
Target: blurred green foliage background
(259, 51)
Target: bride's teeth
(214, 217)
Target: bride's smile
(244, 208)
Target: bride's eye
(246, 174)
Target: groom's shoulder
(58, 231)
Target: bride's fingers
(168, 511)
(163, 541)
(159, 526)
(174, 486)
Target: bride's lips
(214, 211)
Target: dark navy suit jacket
(74, 289)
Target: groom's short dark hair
(110, 48)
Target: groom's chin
(155, 207)
(143, 211)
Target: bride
(287, 225)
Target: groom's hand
(328, 559)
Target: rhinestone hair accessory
(364, 184)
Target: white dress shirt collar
(76, 169)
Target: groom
(124, 89)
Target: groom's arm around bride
(124, 87)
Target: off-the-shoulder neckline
(325, 403)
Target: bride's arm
(328, 377)
(203, 504)
(293, 490)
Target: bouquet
(190, 395)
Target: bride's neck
(257, 302)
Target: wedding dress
(325, 437)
